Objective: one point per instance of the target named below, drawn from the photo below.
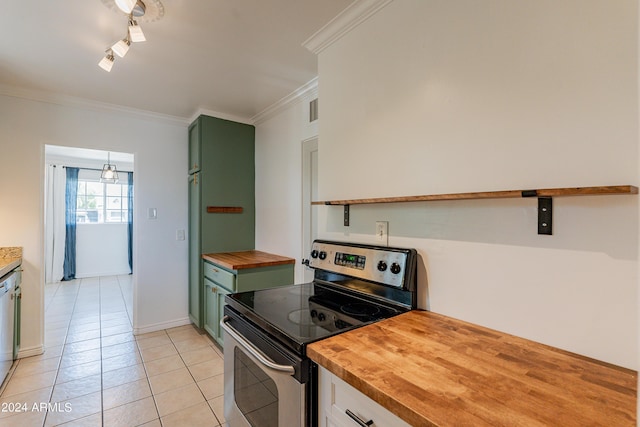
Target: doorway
(309, 194)
(102, 231)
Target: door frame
(309, 212)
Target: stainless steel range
(269, 380)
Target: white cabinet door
(336, 397)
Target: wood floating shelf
(544, 199)
(224, 209)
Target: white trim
(354, 15)
(308, 91)
(70, 101)
(31, 351)
(309, 145)
(224, 116)
(161, 326)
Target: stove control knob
(321, 317)
(395, 268)
(314, 254)
(382, 266)
(323, 255)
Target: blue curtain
(130, 219)
(71, 197)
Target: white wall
(102, 250)
(435, 97)
(279, 180)
(160, 262)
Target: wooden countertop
(247, 259)
(432, 370)
(10, 258)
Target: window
(101, 202)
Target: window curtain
(54, 223)
(71, 201)
(130, 217)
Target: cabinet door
(194, 147)
(195, 261)
(210, 307)
(214, 308)
(220, 312)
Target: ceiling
(236, 57)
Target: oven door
(260, 384)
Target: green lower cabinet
(219, 282)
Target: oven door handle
(268, 363)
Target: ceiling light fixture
(150, 11)
(107, 62)
(109, 172)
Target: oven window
(256, 394)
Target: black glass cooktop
(300, 314)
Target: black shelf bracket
(545, 212)
(545, 215)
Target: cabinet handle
(195, 179)
(358, 420)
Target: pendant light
(109, 172)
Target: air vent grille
(313, 110)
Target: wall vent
(313, 110)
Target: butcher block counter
(432, 370)
(247, 259)
(229, 272)
(10, 258)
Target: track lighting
(152, 11)
(107, 62)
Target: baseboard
(103, 274)
(31, 351)
(161, 326)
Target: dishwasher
(7, 319)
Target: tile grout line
(64, 343)
(101, 358)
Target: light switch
(152, 213)
(179, 234)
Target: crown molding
(306, 92)
(354, 15)
(70, 101)
(219, 115)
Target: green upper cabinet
(228, 180)
(221, 174)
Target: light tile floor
(95, 372)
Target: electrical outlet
(382, 232)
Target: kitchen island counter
(432, 370)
